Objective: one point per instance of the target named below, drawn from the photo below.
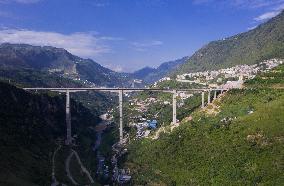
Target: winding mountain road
(67, 168)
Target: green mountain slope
(97, 102)
(243, 144)
(264, 42)
(58, 61)
(31, 125)
(150, 75)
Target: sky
(126, 35)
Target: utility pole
(174, 107)
(68, 119)
(120, 116)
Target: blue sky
(126, 35)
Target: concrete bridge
(120, 92)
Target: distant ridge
(59, 61)
(264, 42)
(150, 75)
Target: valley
(213, 118)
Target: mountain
(236, 140)
(31, 127)
(142, 73)
(58, 61)
(150, 75)
(97, 102)
(264, 42)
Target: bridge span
(120, 92)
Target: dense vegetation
(264, 42)
(241, 145)
(273, 79)
(20, 69)
(97, 102)
(31, 127)
(60, 61)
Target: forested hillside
(97, 102)
(31, 128)
(240, 143)
(58, 61)
(264, 42)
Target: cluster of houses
(120, 175)
(227, 78)
(224, 78)
(142, 105)
(221, 78)
(144, 128)
(161, 80)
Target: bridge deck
(118, 89)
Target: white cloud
(116, 68)
(107, 38)
(143, 46)
(272, 7)
(251, 28)
(268, 15)
(81, 44)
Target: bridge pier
(209, 97)
(120, 115)
(120, 91)
(68, 119)
(203, 99)
(174, 107)
(215, 94)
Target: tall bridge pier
(68, 119)
(120, 92)
(203, 99)
(174, 107)
(209, 97)
(120, 115)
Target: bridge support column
(209, 97)
(133, 84)
(120, 116)
(203, 99)
(68, 119)
(174, 107)
(215, 94)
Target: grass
(241, 145)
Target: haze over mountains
(150, 75)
